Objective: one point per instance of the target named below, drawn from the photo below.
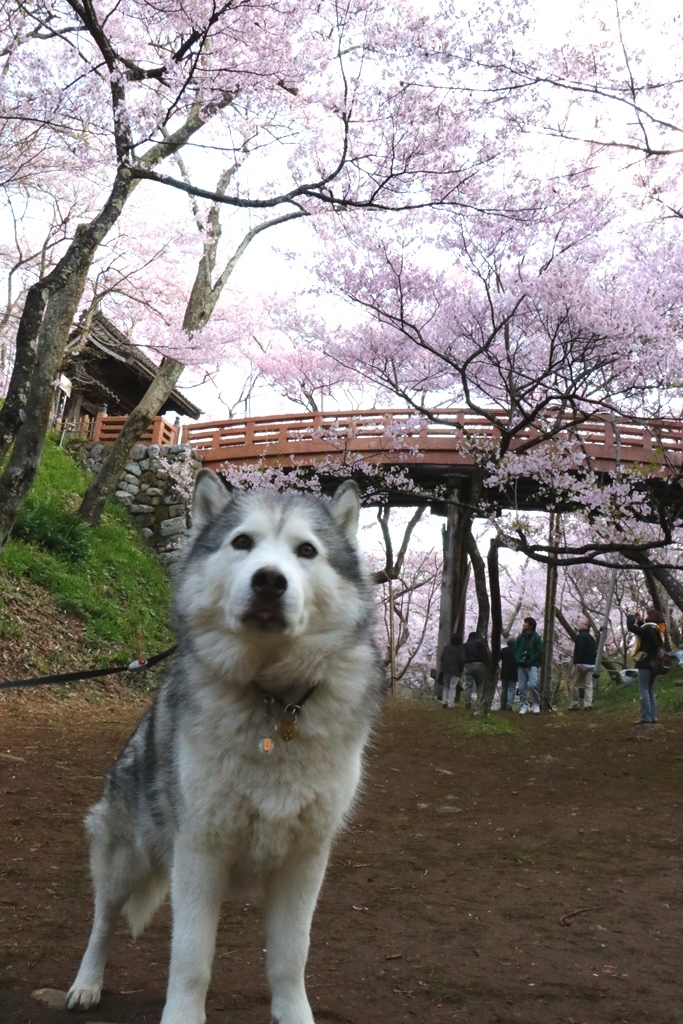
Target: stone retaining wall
(156, 488)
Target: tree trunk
(68, 275)
(654, 591)
(29, 441)
(104, 484)
(483, 612)
(12, 413)
(496, 620)
(49, 312)
(479, 573)
(546, 673)
(453, 603)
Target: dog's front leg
(291, 896)
(86, 989)
(197, 889)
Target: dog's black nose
(268, 584)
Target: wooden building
(104, 376)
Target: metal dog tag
(288, 728)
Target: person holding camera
(650, 633)
(528, 655)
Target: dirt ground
(501, 870)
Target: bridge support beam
(453, 608)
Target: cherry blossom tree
(607, 76)
(275, 111)
(410, 617)
(534, 323)
(518, 286)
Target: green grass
(112, 581)
(668, 691)
(53, 528)
(620, 704)
(462, 723)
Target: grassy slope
(96, 605)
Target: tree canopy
(489, 204)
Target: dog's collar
(290, 714)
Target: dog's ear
(211, 494)
(346, 508)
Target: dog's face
(264, 563)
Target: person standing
(508, 676)
(585, 654)
(475, 656)
(528, 655)
(650, 633)
(452, 662)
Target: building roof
(107, 369)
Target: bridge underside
(435, 485)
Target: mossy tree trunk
(49, 312)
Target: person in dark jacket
(475, 656)
(650, 632)
(508, 676)
(528, 655)
(452, 662)
(585, 654)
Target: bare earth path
(526, 875)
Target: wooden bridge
(400, 436)
(432, 453)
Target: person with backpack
(528, 655)
(452, 663)
(474, 654)
(650, 658)
(508, 676)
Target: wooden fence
(107, 428)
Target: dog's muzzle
(265, 611)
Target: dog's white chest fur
(255, 804)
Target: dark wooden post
(546, 681)
(99, 421)
(453, 608)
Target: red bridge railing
(107, 428)
(392, 436)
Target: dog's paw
(83, 997)
(291, 1013)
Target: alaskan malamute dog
(248, 761)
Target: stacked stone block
(149, 491)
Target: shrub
(53, 528)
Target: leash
(139, 665)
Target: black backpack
(661, 663)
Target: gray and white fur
(272, 598)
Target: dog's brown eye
(243, 542)
(306, 550)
